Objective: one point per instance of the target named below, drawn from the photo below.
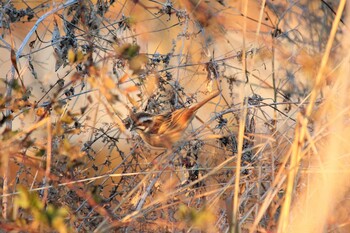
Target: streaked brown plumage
(164, 130)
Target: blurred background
(269, 154)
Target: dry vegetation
(269, 154)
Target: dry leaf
(131, 89)
(40, 112)
(136, 63)
(109, 83)
(71, 56)
(213, 136)
(75, 56)
(210, 86)
(151, 84)
(132, 101)
(123, 78)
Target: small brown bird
(164, 130)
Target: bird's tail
(207, 99)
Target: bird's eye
(145, 121)
(127, 122)
(141, 127)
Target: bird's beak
(132, 126)
(129, 123)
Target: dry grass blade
(263, 146)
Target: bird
(164, 130)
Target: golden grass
(271, 154)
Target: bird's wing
(177, 121)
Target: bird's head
(141, 121)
